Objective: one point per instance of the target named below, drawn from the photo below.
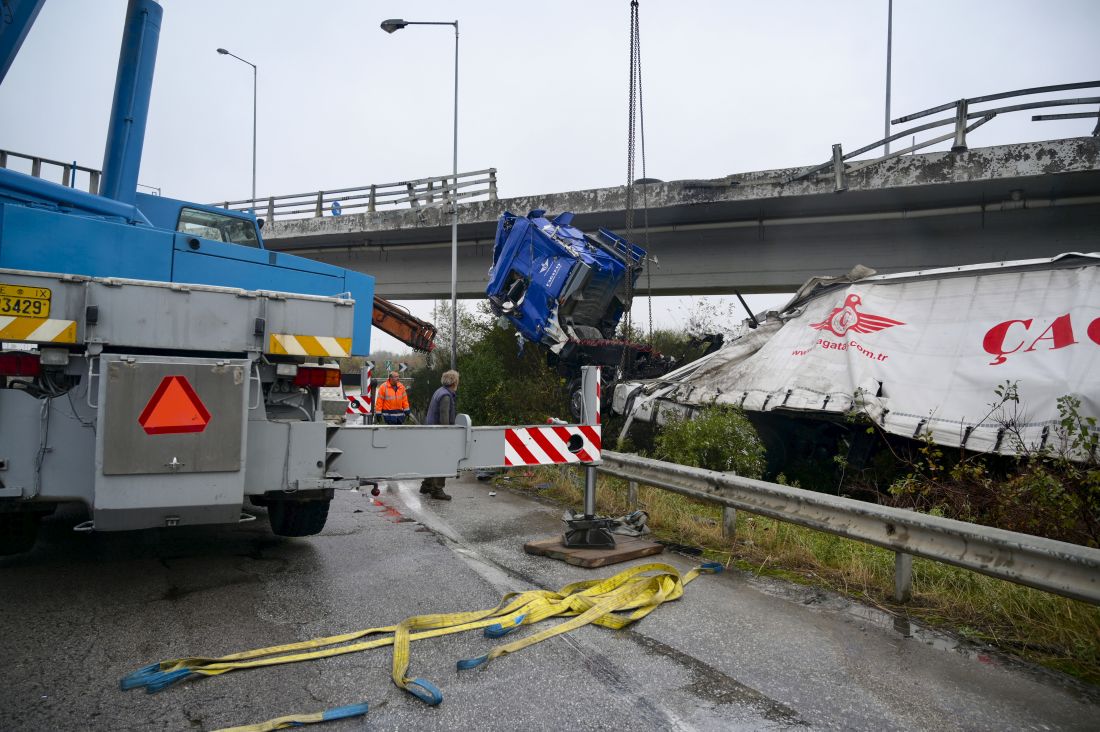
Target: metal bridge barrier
(40, 167)
(1054, 566)
(418, 194)
(961, 125)
(422, 193)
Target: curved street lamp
(223, 52)
(396, 24)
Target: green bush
(717, 438)
(498, 384)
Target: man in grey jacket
(441, 410)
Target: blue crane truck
(160, 367)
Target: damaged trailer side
(920, 353)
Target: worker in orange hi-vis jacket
(392, 401)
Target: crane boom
(403, 325)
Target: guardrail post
(373, 198)
(36, 167)
(431, 196)
(66, 175)
(3, 158)
(838, 169)
(414, 201)
(959, 145)
(320, 210)
(492, 184)
(632, 495)
(903, 576)
(271, 210)
(93, 182)
(729, 524)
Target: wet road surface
(736, 653)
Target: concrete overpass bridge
(766, 231)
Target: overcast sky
(729, 86)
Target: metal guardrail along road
(421, 193)
(1054, 566)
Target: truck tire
(18, 531)
(297, 518)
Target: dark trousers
(433, 484)
(398, 418)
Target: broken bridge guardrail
(1065, 569)
(960, 123)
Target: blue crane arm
(15, 24)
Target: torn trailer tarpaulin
(920, 353)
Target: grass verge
(1038, 626)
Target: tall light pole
(223, 52)
(889, 54)
(396, 24)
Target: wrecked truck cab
(557, 284)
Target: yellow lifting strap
(614, 603)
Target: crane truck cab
(206, 222)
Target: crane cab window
(218, 227)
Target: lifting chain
(636, 131)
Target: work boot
(439, 495)
(425, 488)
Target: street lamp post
(889, 54)
(396, 24)
(223, 52)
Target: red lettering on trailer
(1058, 334)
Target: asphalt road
(735, 653)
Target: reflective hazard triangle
(550, 445)
(174, 408)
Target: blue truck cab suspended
(559, 286)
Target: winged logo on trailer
(847, 318)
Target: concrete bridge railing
(41, 167)
(421, 193)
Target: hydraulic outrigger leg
(589, 531)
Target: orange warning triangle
(174, 408)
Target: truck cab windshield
(217, 227)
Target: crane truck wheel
(297, 518)
(18, 531)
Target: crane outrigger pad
(625, 549)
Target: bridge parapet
(1069, 167)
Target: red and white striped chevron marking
(550, 445)
(358, 404)
(599, 393)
